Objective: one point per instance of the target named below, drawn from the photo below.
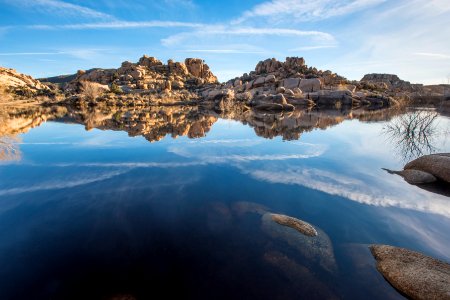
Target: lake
(102, 203)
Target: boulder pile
(276, 86)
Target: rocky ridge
(18, 84)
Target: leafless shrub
(92, 90)
(413, 134)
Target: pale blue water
(95, 214)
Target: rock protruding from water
(317, 249)
(415, 176)
(416, 275)
(299, 225)
(437, 165)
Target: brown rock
(198, 68)
(299, 225)
(435, 164)
(416, 275)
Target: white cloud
(118, 25)
(433, 55)
(305, 10)
(223, 31)
(355, 190)
(222, 51)
(63, 184)
(309, 48)
(63, 8)
(29, 53)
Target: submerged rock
(299, 225)
(317, 249)
(414, 176)
(302, 279)
(435, 164)
(416, 275)
(243, 207)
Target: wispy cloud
(433, 55)
(309, 48)
(63, 184)
(118, 25)
(245, 31)
(304, 10)
(78, 53)
(30, 53)
(352, 189)
(222, 51)
(62, 8)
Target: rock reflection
(9, 148)
(154, 123)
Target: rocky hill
(14, 84)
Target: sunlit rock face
(279, 86)
(13, 79)
(15, 85)
(149, 74)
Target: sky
(410, 38)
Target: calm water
(99, 214)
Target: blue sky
(350, 37)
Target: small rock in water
(416, 275)
(299, 225)
(317, 249)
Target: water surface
(177, 200)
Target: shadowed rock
(412, 273)
(317, 249)
(435, 164)
(301, 278)
(299, 225)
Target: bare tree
(413, 134)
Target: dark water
(101, 215)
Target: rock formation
(390, 82)
(13, 83)
(278, 86)
(412, 273)
(149, 76)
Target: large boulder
(435, 164)
(198, 68)
(310, 85)
(415, 275)
(291, 83)
(268, 66)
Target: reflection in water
(413, 134)
(9, 148)
(154, 123)
(112, 216)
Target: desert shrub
(115, 89)
(23, 91)
(91, 90)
